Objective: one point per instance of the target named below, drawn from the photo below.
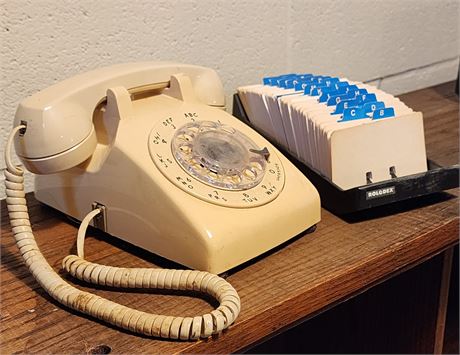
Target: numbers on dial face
(161, 152)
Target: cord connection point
(100, 220)
(22, 131)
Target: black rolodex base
(338, 201)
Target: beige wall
(400, 45)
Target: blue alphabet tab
(302, 83)
(370, 107)
(383, 113)
(292, 82)
(275, 80)
(336, 99)
(342, 84)
(308, 89)
(281, 81)
(331, 81)
(270, 80)
(318, 89)
(323, 78)
(332, 91)
(352, 91)
(344, 104)
(325, 92)
(353, 113)
(365, 98)
(304, 76)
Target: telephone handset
(60, 118)
(147, 151)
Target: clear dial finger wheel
(218, 155)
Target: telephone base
(154, 202)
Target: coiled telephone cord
(184, 328)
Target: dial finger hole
(208, 126)
(191, 133)
(199, 168)
(228, 129)
(236, 179)
(184, 137)
(250, 173)
(186, 149)
(256, 165)
(187, 137)
(227, 179)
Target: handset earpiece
(58, 135)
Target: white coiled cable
(184, 328)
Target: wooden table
(312, 274)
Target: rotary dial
(211, 160)
(218, 155)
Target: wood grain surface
(313, 272)
(398, 316)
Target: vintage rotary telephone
(148, 152)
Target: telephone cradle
(148, 151)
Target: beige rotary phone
(148, 152)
